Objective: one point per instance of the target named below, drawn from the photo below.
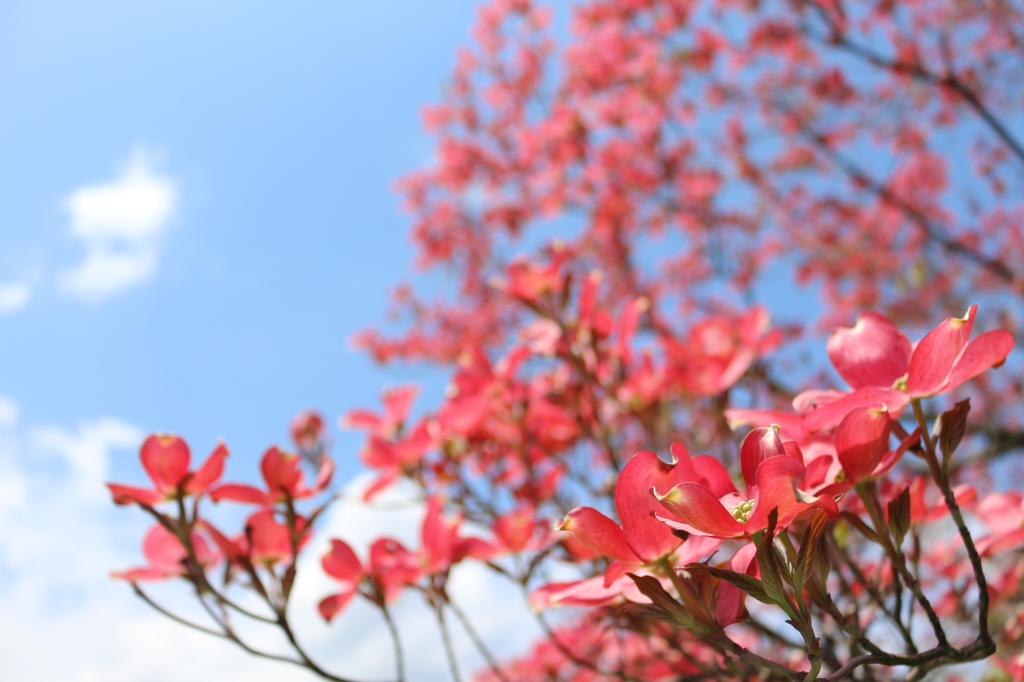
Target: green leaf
(748, 584)
(767, 560)
(671, 611)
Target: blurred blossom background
(195, 216)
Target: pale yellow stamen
(741, 512)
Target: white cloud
(63, 619)
(356, 644)
(8, 412)
(84, 455)
(14, 296)
(121, 224)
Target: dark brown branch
(916, 70)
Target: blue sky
(195, 215)
(280, 128)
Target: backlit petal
(986, 351)
(861, 440)
(165, 458)
(697, 510)
(599, 533)
(874, 352)
(831, 414)
(649, 539)
(935, 353)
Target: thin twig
(478, 641)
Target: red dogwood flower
(284, 478)
(641, 540)
(862, 444)
(264, 542)
(307, 430)
(166, 460)
(881, 365)
(342, 564)
(166, 556)
(1003, 513)
(772, 473)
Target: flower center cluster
(741, 512)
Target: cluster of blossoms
(697, 148)
(183, 543)
(686, 547)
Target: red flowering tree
(624, 214)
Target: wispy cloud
(121, 224)
(14, 296)
(8, 412)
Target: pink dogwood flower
(264, 542)
(284, 478)
(1003, 513)
(442, 545)
(641, 539)
(342, 564)
(165, 556)
(881, 365)
(772, 473)
(862, 445)
(166, 461)
(393, 566)
(307, 430)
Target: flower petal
(438, 536)
(987, 350)
(617, 570)
(269, 541)
(695, 548)
(331, 606)
(790, 422)
(165, 458)
(1001, 512)
(342, 563)
(239, 492)
(874, 352)
(935, 353)
(281, 472)
(599, 533)
(991, 544)
(890, 459)
(712, 474)
(831, 414)
(137, 574)
(817, 470)
(516, 528)
(698, 511)
(163, 550)
(234, 550)
(776, 489)
(323, 476)
(861, 440)
(589, 592)
(760, 444)
(127, 494)
(650, 539)
(209, 473)
(729, 604)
